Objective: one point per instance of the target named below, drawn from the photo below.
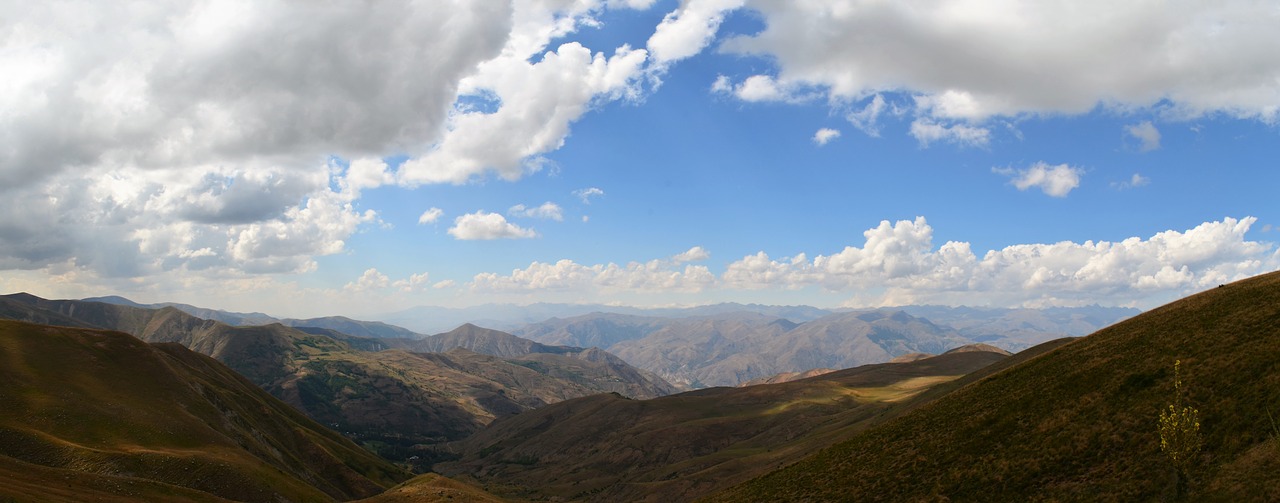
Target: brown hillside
(433, 488)
(1079, 423)
(393, 402)
(609, 448)
(142, 420)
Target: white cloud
(430, 216)
(366, 174)
(537, 103)
(756, 88)
(369, 281)
(414, 283)
(695, 254)
(441, 285)
(547, 210)
(94, 84)
(687, 30)
(651, 276)
(722, 85)
(926, 131)
(586, 194)
(899, 265)
(1042, 58)
(1137, 180)
(825, 135)
(484, 226)
(1056, 181)
(866, 118)
(1146, 133)
(136, 140)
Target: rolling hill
(609, 448)
(1079, 423)
(92, 414)
(393, 401)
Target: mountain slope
(392, 401)
(608, 448)
(483, 340)
(153, 419)
(1079, 423)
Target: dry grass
(607, 448)
(131, 418)
(1079, 423)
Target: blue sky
(348, 159)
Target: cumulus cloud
(430, 216)
(369, 281)
(964, 65)
(214, 137)
(759, 88)
(695, 254)
(441, 285)
(660, 275)
(548, 210)
(1146, 134)
(687, 30)
(537, 103)
(586, 194)
(900, 262)
(91, 83)
(482, 225)
(1056, 181)
(414, 283)
(825, 135)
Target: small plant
(1180, 432)
(1275, 428)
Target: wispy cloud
(586, 194)
(548, 210)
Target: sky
(356, 158)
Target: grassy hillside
(1079, 423)
(433, 488)
(90, 412)
(391, 401)
(609, 448)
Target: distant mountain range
(728, 349)
(430, 319)
(715, 345)
(339, 323)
